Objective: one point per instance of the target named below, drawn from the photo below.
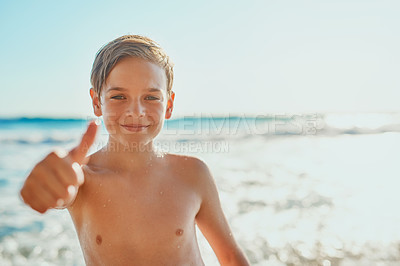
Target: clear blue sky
(230, 56)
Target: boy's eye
(118, 97)
(152, 98)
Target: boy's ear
(170, 105)
(95, 102)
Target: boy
(129, 204)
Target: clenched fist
(54, 181)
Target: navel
(179, 232)
(99, 239)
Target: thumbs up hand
(55, 180)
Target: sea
(296, 188)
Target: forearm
(235, 258)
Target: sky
(231, 57)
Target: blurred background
(293, 104)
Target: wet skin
(146, 217)
(131, 206)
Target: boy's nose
(136, 108)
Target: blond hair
(129, 46)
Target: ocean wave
(332, 131)
(35, 140)
(6, 230)
(192, 128)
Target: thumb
(78, 153)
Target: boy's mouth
(135, 127)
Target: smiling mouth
(135, 127)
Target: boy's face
(134, 101)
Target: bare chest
(135, 216)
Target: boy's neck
(128, 157)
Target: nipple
(179, 232)
(99, 239)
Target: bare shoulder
(93, 165)
(192, 168)
(189, 164)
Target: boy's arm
(213, 224)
